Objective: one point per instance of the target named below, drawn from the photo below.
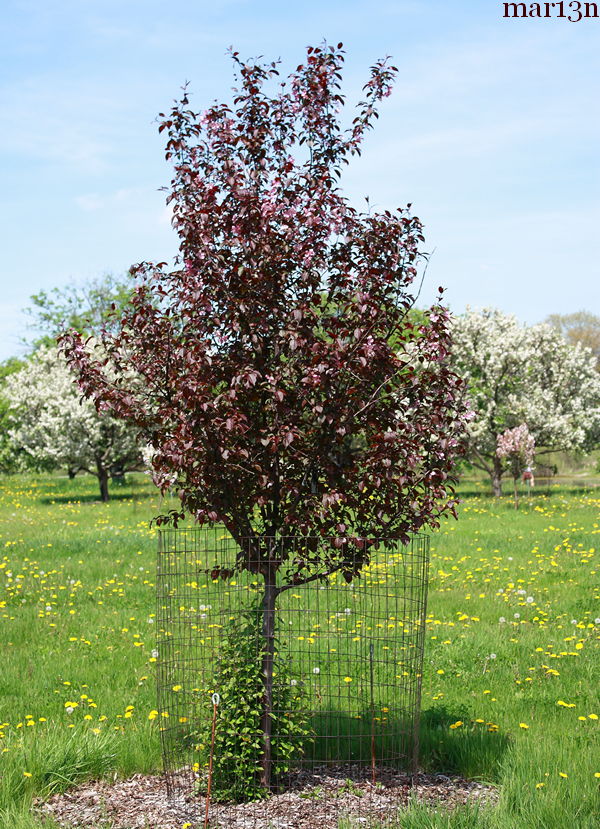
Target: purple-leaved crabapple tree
(275, 371)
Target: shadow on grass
(94, 497)
(543, 488)
(340, 737)
(471, 749)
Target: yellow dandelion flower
(562, 774)
(347, 679)
(592, 716)
(27, 774)
(153, 715)
(540, 785)
(177, 687)
(523, 725)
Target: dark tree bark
(268, 634)
(103, 476)
(496, 477)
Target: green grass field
(511, 681)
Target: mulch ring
(315, 800)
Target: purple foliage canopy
(277, 372)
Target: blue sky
(492, 133)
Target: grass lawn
(510, 691)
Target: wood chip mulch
(316, 800)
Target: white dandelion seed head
(502, 620)
(316, 670)
(517, 615)
(492, 656)
(529, 599)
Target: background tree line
(44, 422)
(546, 376)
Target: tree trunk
(117, 473)
(497, 477)
(516, 493)
(268, 654)
(102, 480)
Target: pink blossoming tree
(516, 447)
(275, 371)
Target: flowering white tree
(524, 374)
(517, 448)
(52, 427)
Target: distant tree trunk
(71, 472)
(102, 480)
(515, 479)
(268, 655)
(497, 477)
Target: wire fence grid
(289, 666)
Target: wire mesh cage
(289, 667)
